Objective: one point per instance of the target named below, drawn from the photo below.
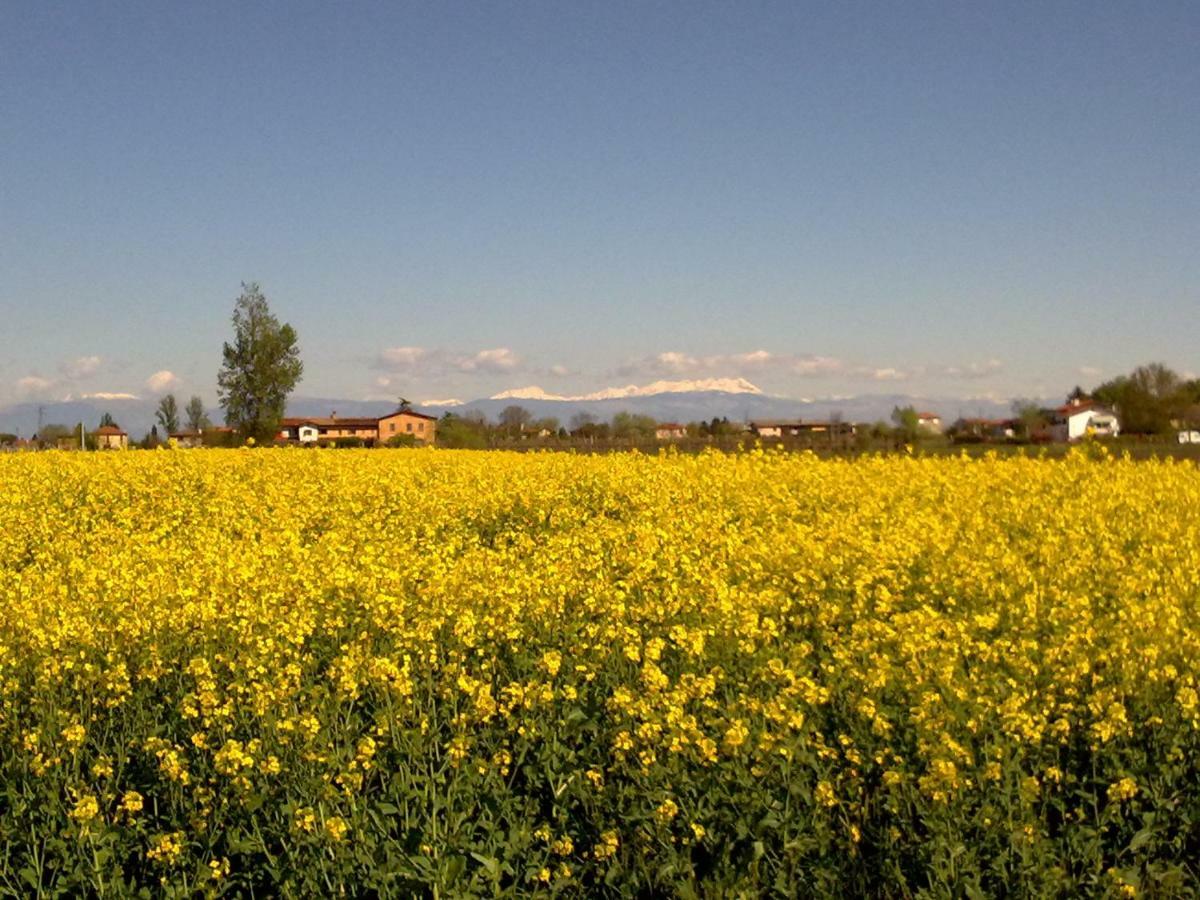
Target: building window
(408, 427)
(420, 426)
(391, 426)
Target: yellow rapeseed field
(309, 673)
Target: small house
(1083, 418)
(930, 423)
(110, 437)
(670, 431)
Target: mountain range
(667, 401)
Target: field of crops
(302, 673)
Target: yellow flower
(607, 846)
(86, 808)
(666, 811)
(824, 794)
(131, 803)
(1125, 789)
(552, 662)
(336, 828)
(74, 734)
(165, 849)
(735, 735)
(304, 819)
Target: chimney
(333, 415)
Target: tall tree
(168, 414)
(195, 415)
(907, 422)
(261, 367)
(107, 419)
(513, 419)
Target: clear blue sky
(962, 199)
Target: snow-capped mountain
(704, 385)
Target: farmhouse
(1081, 418)
(670, 431)
(773, 428)
(110, 437)
(371, 431)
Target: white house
(930, 423)
(1083, 418)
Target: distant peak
(722, 385)
(453, 401)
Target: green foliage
(907, 422)
(461, 432)
(261, 367)
(402, 440)
(629, 426)
(51, 433)
(167, 414)
(1031, 417)
(1150, 399)
(195, 416)
(106, 420)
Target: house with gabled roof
(110, 437)
(1082, 417)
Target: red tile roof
(1069, 409)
